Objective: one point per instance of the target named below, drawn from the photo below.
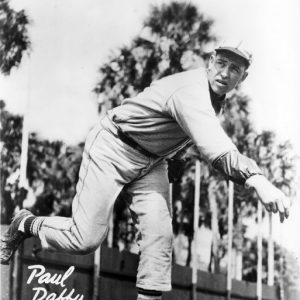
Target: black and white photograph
(150, 150)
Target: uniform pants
(109, 165)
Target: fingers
(287, 205)
(275, 208)
(283, 206)
(271, 207)
(281, 217)
(268, 207)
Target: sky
(72, 39)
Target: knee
(158, 236)
(167, 235)
(166, 232)
(88, 243)
(161, 227)
(87, 246)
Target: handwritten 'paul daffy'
(39, 272)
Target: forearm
(236, 167)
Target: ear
(211, 60)
(242, 79)
(245, 75)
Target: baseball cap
(237, 48)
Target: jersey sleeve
(191, 108)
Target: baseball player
(128, 150)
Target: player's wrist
(255, 181)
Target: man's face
(225, 72)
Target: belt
(130, 142)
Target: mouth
(221, 82)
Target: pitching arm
(191, 108)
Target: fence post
(230, 228)
(110, 234)
(25, 138)
(96, 274)
(171, 192)
(270, 252)
(196, 225)
(259, 252)
(24, 152)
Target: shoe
(12, 238)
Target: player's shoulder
(196, 78)
(198, 75)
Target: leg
(106, 166)
(151, 211)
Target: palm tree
(13, 35)
(171, 33)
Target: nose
(225, 72)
